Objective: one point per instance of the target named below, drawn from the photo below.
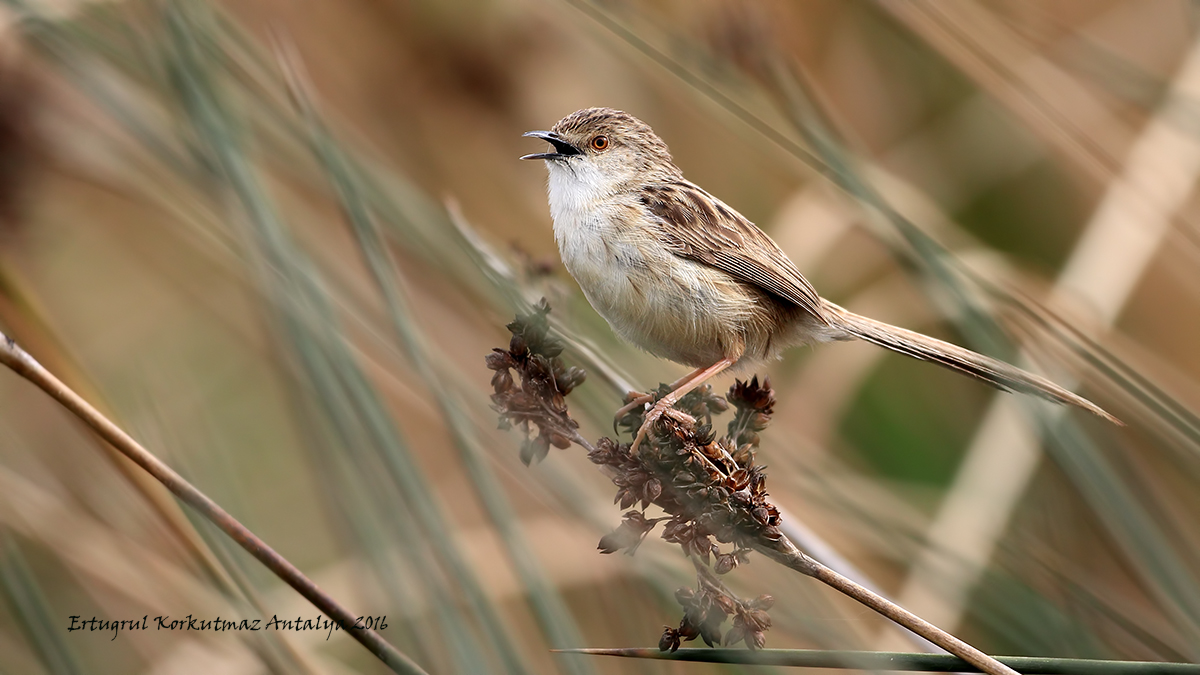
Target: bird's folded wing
(697, 226)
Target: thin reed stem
(786, 553)
(27, 367)
(895, 661)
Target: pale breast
(674, 308)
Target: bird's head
(604, 148)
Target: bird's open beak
(563, 149)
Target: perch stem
(26, 366)
(785, 553)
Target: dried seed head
(540, 399)
(710, 488)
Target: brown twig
(24, 365)
(786, 554)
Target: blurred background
(275, 240)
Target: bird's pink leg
(678, 391)
(640, 399)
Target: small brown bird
(680, 274)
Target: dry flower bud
(759, 619)
(710, 632)
(502, 381)
(535, 450)
(725, 604)
(669, 641)
(629, 534)
(653, 489)
(627, 498)
(517, 346)
(499, 360)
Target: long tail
(996, 373)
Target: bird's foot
(660, 409)
(636, 399)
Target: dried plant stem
(19, 313)
(24, 365)
(786, 553)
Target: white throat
(584, 227)
(576, 189)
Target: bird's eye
(600, 142)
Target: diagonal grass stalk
(22, 364)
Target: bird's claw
(636, 400)
(660, 409)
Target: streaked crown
(621, 132)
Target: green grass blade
(884, 661)
(32, 610)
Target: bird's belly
(668, 306)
